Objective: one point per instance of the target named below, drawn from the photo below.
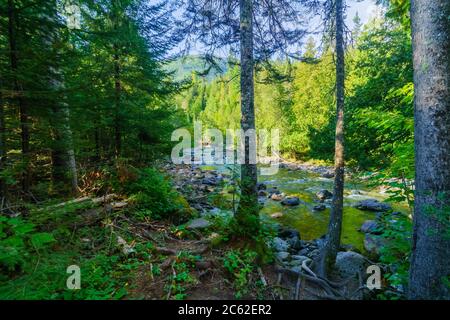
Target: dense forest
(93, 205)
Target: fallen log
(98, 200)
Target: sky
(366, 9)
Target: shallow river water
(313, 224)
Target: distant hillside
(184, 67)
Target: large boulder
(282, 255)
(280, 244)
(373, 205)
(369, 226)
(288, 233)
(349, 263)
(295, 243)
(291, 201)
(324, 195)
(297, 260)
(199, 223)
(373, 244)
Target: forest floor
(125, 254)
(208, 277)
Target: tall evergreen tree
(63, 154)
(333, 240)
(18, 88)
(259, 30)
(430, 261)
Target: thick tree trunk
(430, 261)
(247, 213)
(333, 242)
(63, 155)
(2, 143)
(23, 110)
(117, 93)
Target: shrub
(154, 197)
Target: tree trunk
(97, 142)
(333, 242)
(63, 155)
(247, 214)
(117, 93)
(430, 261)
(17, 87)
(2, 143)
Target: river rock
(276, 215)
(295, 243)
(210, 181)
(324, 195)
(297, 269)
(369, 226)
(261, 186)
(282, 255)
(374, 243)
(290, 201)
(350, 263)
(262, 193)
(319, 207)
(280, 244)
(199, 223)
(288, 233)
(277, 196)
(349, 247)
(327, 175)
(314, 253)
(298, 260)
(273, 190)
(373, 205)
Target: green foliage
(181, 277)
(380, 99)
(106, 276)
(107, 77)
(301, 103)
(395, 255)
(18, 241)
(40, 273)
(154, 197)
(240, 264)
(399, 10)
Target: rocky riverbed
(298, 199)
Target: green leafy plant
(240, 264)
(154, 197)
(395, 254)
(18, 240)
(181, 277)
